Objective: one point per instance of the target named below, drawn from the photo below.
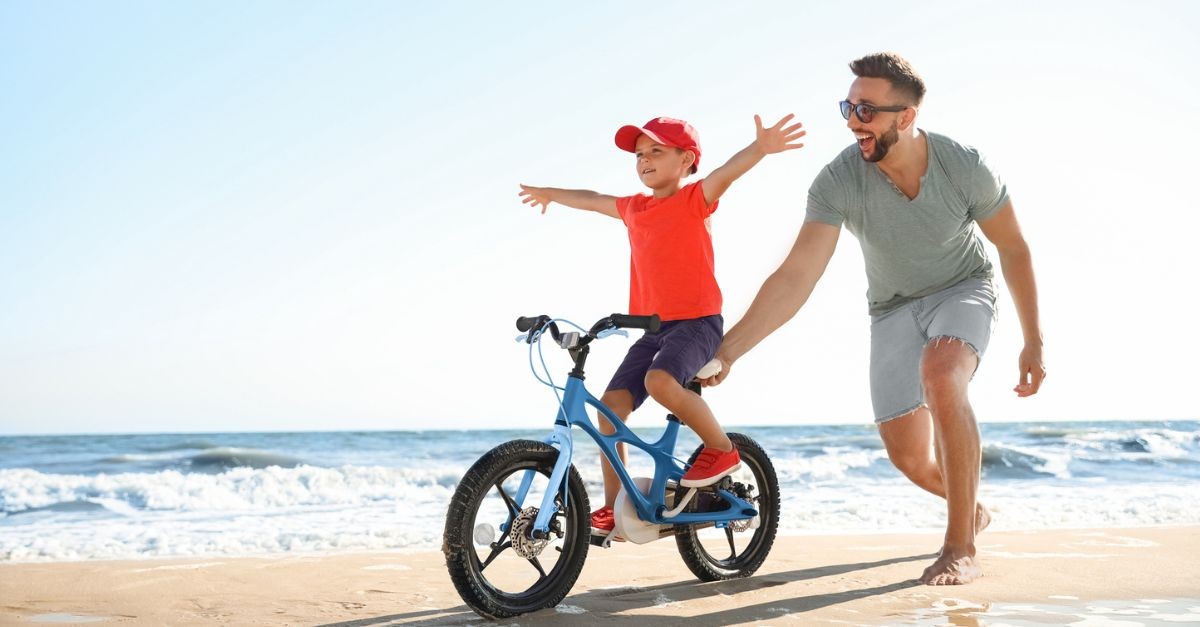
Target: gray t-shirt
(916, 247)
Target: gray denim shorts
(965, 311)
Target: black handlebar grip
(524, 324)
(650, 323)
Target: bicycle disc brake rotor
(524, 545)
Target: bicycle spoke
(732, 548)
(538, 566)
(496, 551)
(514, 511)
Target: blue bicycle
(518, 527)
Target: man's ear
(908, 117)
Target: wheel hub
(524, 545)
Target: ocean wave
(416, 521)
(209, 459)
(187, 445)
(239, 489)
(1009, 462)
(220, 459)
(830, 465)
(62, 506)
(1158, 441)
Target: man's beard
(883, 143)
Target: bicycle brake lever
(611, 331)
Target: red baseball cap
(665, 131)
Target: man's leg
(915, 452)
(946, 369)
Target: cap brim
(627, 138)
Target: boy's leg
(685, 348)
(688, 407)
(625, 393)
(621, 402)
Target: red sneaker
(710, 466)
(602, 521)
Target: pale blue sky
(219, 216)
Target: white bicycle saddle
(711, 368)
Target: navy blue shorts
(681, 347)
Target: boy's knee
(660, 383)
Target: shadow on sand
(628, 598)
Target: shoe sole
(601, 534)
(702, 483)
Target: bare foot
(951, 568)
(983, 518)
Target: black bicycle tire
(697, 559)
(457, 540)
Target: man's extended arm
(1016, 263)
(766, 141)
(574, 198)
(781, 295)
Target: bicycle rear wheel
(498, 568)
(739, 549)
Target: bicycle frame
(573, 413)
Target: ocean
(82, 497)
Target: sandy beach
(1138, 575)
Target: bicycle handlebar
(649, 323)
(534, 322)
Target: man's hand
(716, 379)
(777, 138)
(1033, 370)
(535, 196)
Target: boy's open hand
(778, 138)
(535, 196)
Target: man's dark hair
(893, 68)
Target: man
(910, 198)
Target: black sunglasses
(866, 112)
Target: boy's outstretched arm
(575, 198)
(767, 141)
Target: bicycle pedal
(604, 540)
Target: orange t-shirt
(671, 266)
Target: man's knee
(946, 368)
(661, 384)
(912, 462)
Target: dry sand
(848, 579)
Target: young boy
(671, 274)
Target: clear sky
(272, 216)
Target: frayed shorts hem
(902, 414)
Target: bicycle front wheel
(740, 548)
(497, 565)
